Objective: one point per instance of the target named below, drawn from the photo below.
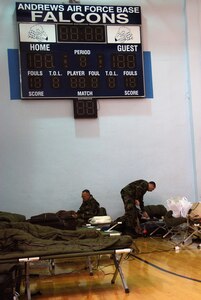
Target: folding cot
(193, 230)
(10, 280)
(194, 223)
(155, 223)
(24, 243)
(184, 227)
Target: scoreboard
(72, 51)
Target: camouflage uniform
(133, 191)
(87, 210)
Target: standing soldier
(132, 195)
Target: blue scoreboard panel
(72, 51)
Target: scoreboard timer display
(74, 51)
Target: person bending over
(132, 195)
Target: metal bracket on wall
(74, 1)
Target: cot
(24, 243)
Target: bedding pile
(22, 238)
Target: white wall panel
(47, 157)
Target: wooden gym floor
(154, 271)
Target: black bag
(61, 219)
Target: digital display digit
(71, 51)
(123, 61)
(84, 82)
(81, 33)
(37, 60)
(85, 108)
(35, 82)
